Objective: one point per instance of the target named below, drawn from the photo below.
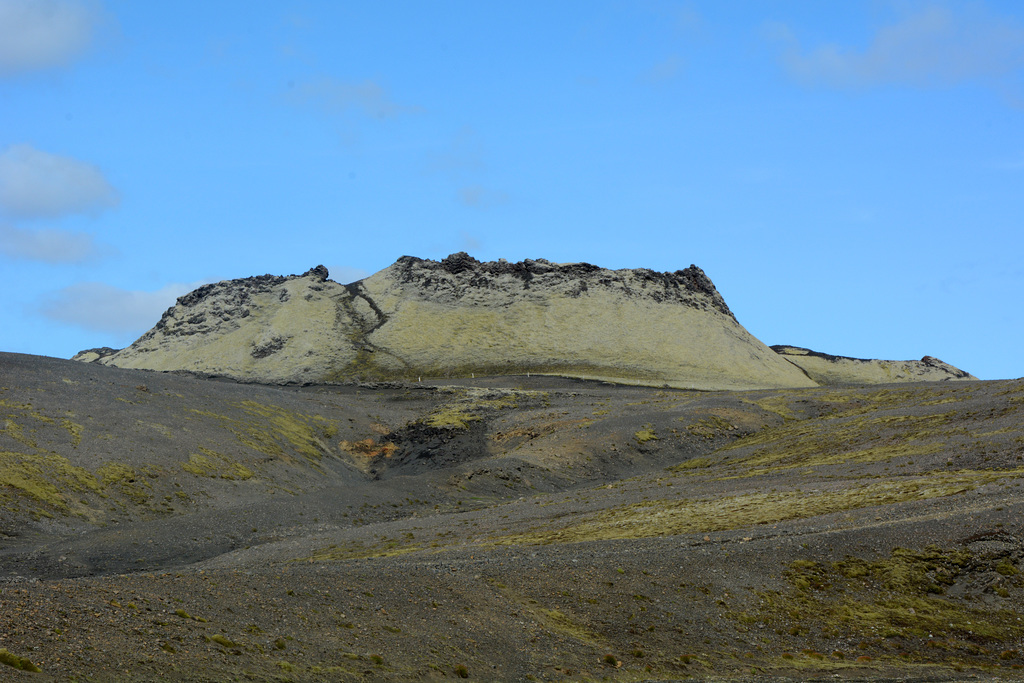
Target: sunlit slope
(267, 328)
(460, 317)
(826, 369)
(600, 334)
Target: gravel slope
(514, 528)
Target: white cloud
(35, 184)
(38, 34)
(104, 308)
(933, 46)
(49, 246)
(336, 97)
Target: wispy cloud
(934, 46)
(481, 197)
(665, 70)
(465, 153)
(469, 243)
(687, 19)
(39, 34)
(334, 97)
(1011, 166)
(49, 246)
(104, 308)
(37, 184)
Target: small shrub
(611, 660)
(462, 671)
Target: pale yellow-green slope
(593, 336)
(421, 318)
(299, 339)
(828, 370)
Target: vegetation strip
(670, 517)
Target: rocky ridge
(460, 317)
(826, 369)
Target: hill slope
(159, 526)
(460, 317)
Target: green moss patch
(21, 663)
(905, 595)
(276, 431)
(210, 463)
(358, 550)
(832, 441)
(127, 481)
(691, 465)
(556, 620)
(74, 429)
(45, 478)
(670, 517)
(223, 640)
(553, 619)
(646, 434)
(471, 405)
(710, 427)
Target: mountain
(460, 317)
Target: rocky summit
(460, 317)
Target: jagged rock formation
(826, 369)
(457, 317)
(93, 355)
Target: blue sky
(850, 175)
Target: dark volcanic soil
(166, 527)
